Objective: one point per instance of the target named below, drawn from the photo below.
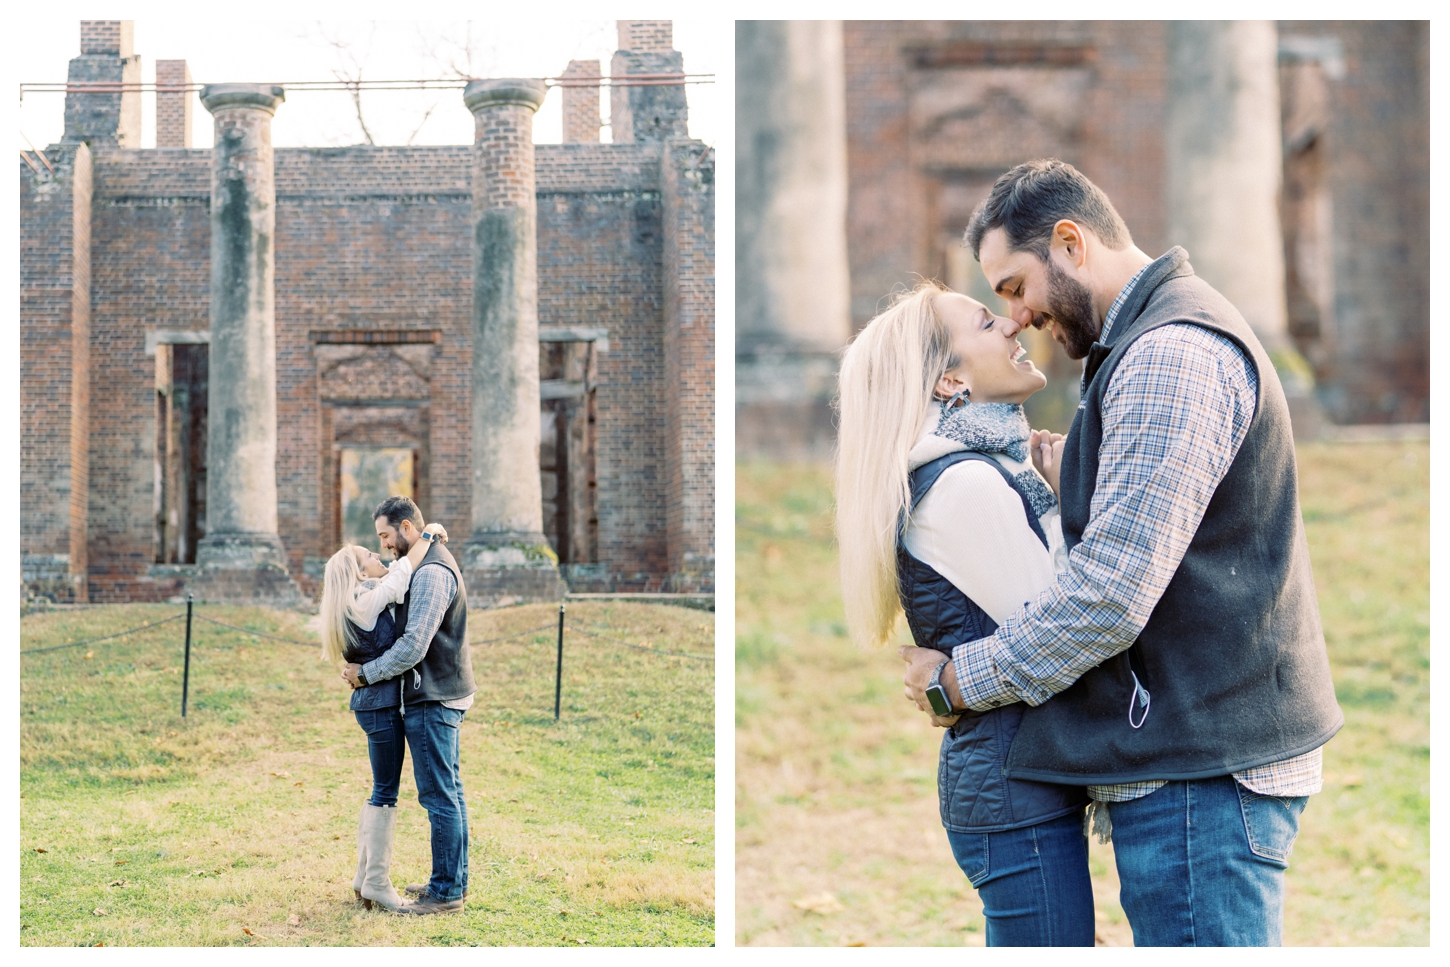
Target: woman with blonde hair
(943, 513)
(357, 626)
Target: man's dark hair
(399, 509)
(1031, 198)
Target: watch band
(936, 676)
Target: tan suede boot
(362, 854)
(377, 888)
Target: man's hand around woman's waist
(921, 663)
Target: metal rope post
(559, 668)
(186, 672)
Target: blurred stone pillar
(792, 290)
(507, 560)
(1225, 160)
(241, 453)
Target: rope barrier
(119, 634)
(658, 651)
(313, 644)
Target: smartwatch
(429, 537)
(941, 706)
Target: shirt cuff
(978, 679)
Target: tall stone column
(792, 286)
(1225, 170)
(241, 453)
(508, 559)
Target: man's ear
(1068, 241)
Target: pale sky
(243, 50)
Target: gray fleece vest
(446, 671)
(1233, 654)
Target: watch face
(936, 695)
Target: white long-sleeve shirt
(375, 594)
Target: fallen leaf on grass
(122, 862)
(248, 931)
(90, 655)
(821, 903)
(41, 849)
(99, 943)
(99, 912)
(283, 775)
(687, 840)
(337, 837)
(294, 921)
(297, 783)
(116, 883)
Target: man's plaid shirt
(431, 594)
(1174, 416)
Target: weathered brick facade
(373, 324)
(173, 104)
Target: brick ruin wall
(367, 239)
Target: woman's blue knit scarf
(998, 428)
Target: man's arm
(1174, 416)
(433, 589)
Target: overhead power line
(426, 84)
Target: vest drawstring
(1139, 692)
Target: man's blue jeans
(432, 732)
(1202, 862)
(1033, 882)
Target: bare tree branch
(351, 73)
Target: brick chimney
(654, 112)
(581, 104)
(173, 104)
(107, 58)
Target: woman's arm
(394, 587)
(420, 547)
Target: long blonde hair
(887, 378)
(340, 582)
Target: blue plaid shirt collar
(1117, 305)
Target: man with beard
(431, 659)
(1181, 649)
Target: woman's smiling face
(369, 563)
(992, 365)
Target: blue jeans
(384, 728)
(1034, 883)
(432, 732)
(1202, 863)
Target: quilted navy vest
(371, 644)
(975, 794)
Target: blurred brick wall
(936, 110)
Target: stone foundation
(266, 585)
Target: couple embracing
(400, 633)
(1117, 628)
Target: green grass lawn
(238, 825)
(837, 835)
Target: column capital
(265, 97)
(495, 92)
